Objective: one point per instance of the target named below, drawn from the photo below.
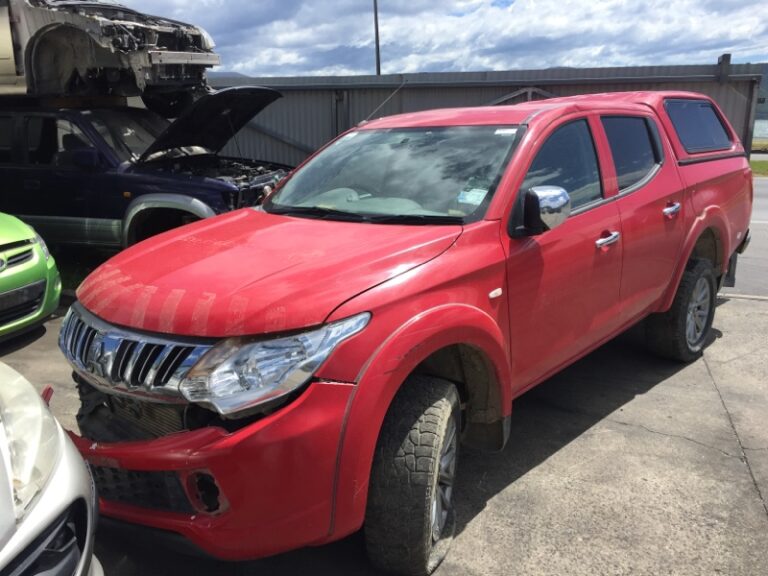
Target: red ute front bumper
(264, 489)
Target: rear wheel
(682, 331)
(409, 521)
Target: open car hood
(213, 119)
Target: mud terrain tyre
(682, 331)
(409, 522)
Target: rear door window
(698, 125)
(51, 141)
(568, 160)
(634, 149)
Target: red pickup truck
(281, 376)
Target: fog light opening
(205, 493)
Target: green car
(30, 285)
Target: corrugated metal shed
(316, 109)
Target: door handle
(612, 238)
(672, 210)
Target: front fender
(180, 202)
(381, 378)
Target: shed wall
(314, 110)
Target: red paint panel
(249, 272)
(276, 474)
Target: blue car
(113, 176)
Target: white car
(48, 504)
(100, 48)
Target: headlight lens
(30, 440)
(208, 42)
(237, 375)
(43, 246)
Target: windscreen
(446, 173)
(129, 131)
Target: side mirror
(86, 158)
(545, 208)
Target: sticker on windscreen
(472, 196)
(506, 132)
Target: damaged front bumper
(260, 490)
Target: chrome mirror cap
(554, 205)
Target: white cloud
(292, 37)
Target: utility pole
(376, 27)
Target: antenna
(380, 106)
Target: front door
(564, 283)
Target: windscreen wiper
(426, 219)
(316, 212)
(333, 214)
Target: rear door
(652, 209)
(564, 283)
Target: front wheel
(682, 331)
(409, 522)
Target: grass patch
(759, 167)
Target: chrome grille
(116, 360)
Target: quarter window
(697, 125)
(632, 148)
(568, 160)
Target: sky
(322, 37)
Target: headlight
(238, 375)
(30, 440)
(208, 41)
(43, 246)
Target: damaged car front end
(178, 465)
(74, 48)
